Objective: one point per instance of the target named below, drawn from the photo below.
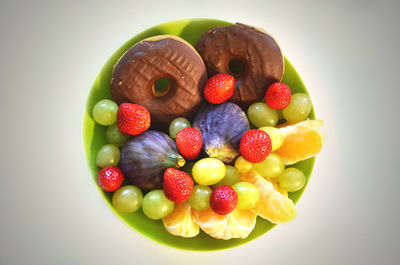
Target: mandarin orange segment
(237, 224)
(181, 221)
(275, 183)
(272, 205)
(302, 140)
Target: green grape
(248, 195)
(178, 125)
(115, 136)
(271, 167)
(105, 112)
(275, 135)
(242, 165)
(208, 171)
(108, 155)
(127, 199)
(200, 199)
(292, 179)
(231, 177)
(261, 115)
(156, 206)
(298, 109)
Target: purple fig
(145, 157)
(221, 127)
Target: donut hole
(235, 67)
(161, 87)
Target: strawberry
(255, 146)
(219, 88)
(110, 178)
(278, 96)
(178, 185)
(223, 200)
(189, 143)
(132, 119)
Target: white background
(346, 52)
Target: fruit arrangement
(215, 170)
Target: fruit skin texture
(127, 199)
(275, 135)
(105, 112)
(298, 109)
(145, 157)
(278, 95)
(223, 200)
(271, 167)
(114, 136)
(230, 178)
(156, 206)
(177, 125)
(200, 199)
(189, 143)
(292, 179)
(110, 178)
(208, 171)
(219, 88)
(261, 115)
(108, 155)
(221, 127)
(255, 146)
(242, 165)
(178, 185)
(248, 195)
(133, 119)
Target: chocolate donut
(151, 59)
(261, 58)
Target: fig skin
(145, 157)
(221, 127)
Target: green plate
(94, 138)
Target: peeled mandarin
(237, 224)
(181, 221)
(301, 140)
(272, 205)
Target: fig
(145, 157)
(221, 127)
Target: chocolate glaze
(260, 55)
(161, 57)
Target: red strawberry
(189, 143)
(255, 146)
(133, 119)
(110, 178)
(219, 88)
(278, 96)
(223, 200)
(178, 185)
